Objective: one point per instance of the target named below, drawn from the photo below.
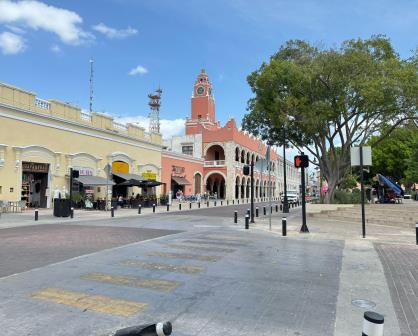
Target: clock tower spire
(203, 103)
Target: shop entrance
(35, 184)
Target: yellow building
(41, 140)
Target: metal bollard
(153, 208)
(190, 205)
(221, 202)
(198, 205)
(208, 204)
(416, 231)
(36, 214)
(179, 206)
(235, 217)
(284, 226)
(168, 207)
(139, 209)
(158, 329)
(264, 210)
(72, 212)
(281, 207)
(247, 222)
(214, 203)
(256, 211)
(373, 324)
(237, 201)
(271, 209)
(112, 212)
(233, 201)
(277, 208)
(227, 202)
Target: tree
(392, 156)
(329, 98)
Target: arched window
(237, 154)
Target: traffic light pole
(71, 187)
(252, 191)
(304, 227)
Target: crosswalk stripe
(201, 248)
(184, 256)
(133, 281)
(83, 301)
(164, 267)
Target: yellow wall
(60, 137)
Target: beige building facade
(40, 140)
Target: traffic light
(246, 170)
(301, 161)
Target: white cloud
(139, 70)
(38, 15)
(11, 43)
(56, 49)
(114, 33)
(168, 127)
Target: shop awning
(180, 180)
(94, 181)
(127, 176)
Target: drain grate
(361, 303)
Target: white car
(292, 196)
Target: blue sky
(45, 46)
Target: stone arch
(197, 182)
(208, 146)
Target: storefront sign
(149, 175)
(120, 167)
(177, 170)
(89, 191)
(34, 167)
(84, 171)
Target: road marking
(164, 267)
(97, 303)
(201, 248)
(131, 281)
(184, 256)
(213, 242)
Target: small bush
(164, 199)
(347, 197)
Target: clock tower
(203, 103)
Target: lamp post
(285, 202)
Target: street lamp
(285, 202)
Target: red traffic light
(301, 161)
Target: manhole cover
(361, 303)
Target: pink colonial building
(212, 157)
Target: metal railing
(215, 163)
(43, 104)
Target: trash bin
(62, 207)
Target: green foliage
(164, 199)
(347, 197)
(349, 181)
(397, 155)
(327, 100)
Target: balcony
(215, 163)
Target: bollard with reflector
(247, 222)
(139, 209)
(159, 329)
(112, 212)
(72, 212)
(190, 205)
(248, 212)
(256, 211)
(198, 205)
(153, 208)
(36, 214)
(179, 206)
(235, 217)
(168, 207)
(373, 324)
(284, 226)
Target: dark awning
(127, 176)
(94, 181)
(180, 180)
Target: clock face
(200, 90)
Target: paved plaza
(92, 275)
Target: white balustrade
(43, 104)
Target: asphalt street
(198, 269)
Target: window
(188, 150)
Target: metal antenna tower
(91, 85)
(154, 115)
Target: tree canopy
(328, 100)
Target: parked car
(292, 196)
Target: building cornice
(181, 156)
